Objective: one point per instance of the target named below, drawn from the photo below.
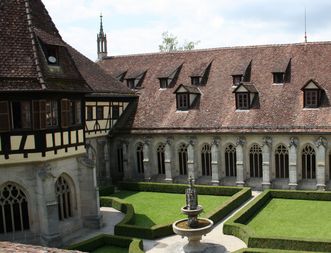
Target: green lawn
(294, 218)
(110, 249)
(153, 208)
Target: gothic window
(230, 161)
(4, 116)
(281, 162)
(64, 198)
(140, 158)
(206, 160)
(182, 155)
(120, 158)
(14, 214)
(308, 163)
(161, 159)
(21, 111)
(255, 161)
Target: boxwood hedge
(237, 225)
(256, 250)
(127, 228)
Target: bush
(107, 190)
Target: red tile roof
(280, 106)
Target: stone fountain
(192, 227)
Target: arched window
(281, 162)
(255, 161)
(160, 159)
(308, 163)
(140, 158)
(14, 214)
(182, 154)
(120, 158)
(230, 161)
(64, 198)
(206, 160)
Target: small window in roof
(237, 79)
(311, 98)
(196, 80)
(278, 77)
(163, 83)
(130, 83)
(183, 101)
(242, 99)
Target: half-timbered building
(48, 187)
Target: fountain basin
(192, 213)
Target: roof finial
(101, 26)
(305, 25)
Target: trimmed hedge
(237, 225)
(133, 245)
(255, 250)
(106, 190)
(127, 228)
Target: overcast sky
(135, 26)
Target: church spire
(101, 41)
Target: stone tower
(102, 42)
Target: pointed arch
(182, 159)
(255, 161)
(230, 160)
(160, 153)
(14, 211)
(206, 160)
(65, 194)
(140, 157)
(281, 161)
(308, 162)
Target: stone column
(190, 159)
(292, 155)
(49, 217)
(215, 176)
(167, 160)
(147, 164)
(266, 165)
(240, 161)
(127, 172)
(321, 144)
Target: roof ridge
(217, 48)
(33, 41)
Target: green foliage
(107, 190)
(237, 225)
(170, 43)
(256, 250)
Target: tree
(170, 43)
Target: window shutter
(4, 116)
(65, 112)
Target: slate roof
(280, 106)
(25, 26)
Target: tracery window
(14, 214)
(281, 162)
(255, 161)
(120, 158)
(308, 163)
(206, 160)
(140, 158)
(230, 161)
(182, 155)
(161, 159)
(64, 198)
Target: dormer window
(196, 80)
(130, 83)
(246, 96)
(186, 97)
(278, 77)
(312, 94)
(237, 79)
(163, 83)
(135, 79)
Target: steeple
(101, 42)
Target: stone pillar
(191, 172)
(167, 160)
(292, 155)
(147, 164)
(266, 165)
(321, 144)
(240, 161)
(127, 172)
(89, 192)
(49, 217)
(215, 176)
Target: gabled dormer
(186, 97)
(120, 76)
(134, 79)
(281, 71)
(200, 74)
(241, 73)
(169, 76)
(312, 94)
(246, 95)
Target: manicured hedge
(236, 225)
(106, 190)
(133, 245)
(255, 250)
(127, 228)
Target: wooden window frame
(242, 100)
(183, 101)
(54, 113)
(131, 83)
(164, 83)
(278, 77)
(65, 113)
(196, 80)
(237, 79)
(39, 114)
(308, 98)
(4, 116)
(97, 115)
(89, 112)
